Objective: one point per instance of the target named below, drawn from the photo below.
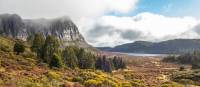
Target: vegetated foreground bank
(20, 67)
(44, 64)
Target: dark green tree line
(109, 64)
(49, 51)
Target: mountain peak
(63, 28)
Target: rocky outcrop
(63, 28)
(12, 26)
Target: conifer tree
(81, 59)
(70, 58)
(98, 64)
(122, 64)
(37, 44)
(19, 48)
(108, 66)
(30, 39)
(90, 61)
(56, 61)
(75, 49)
(115, 62)
(50, 47)
(86, 60)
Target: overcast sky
(114, 22)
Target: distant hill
(175, 46)
(104, 48)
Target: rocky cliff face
(63, 28)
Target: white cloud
(153, 27)
(74, 8)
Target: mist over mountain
(175, 46)
(63, 28)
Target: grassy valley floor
(151, 70)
